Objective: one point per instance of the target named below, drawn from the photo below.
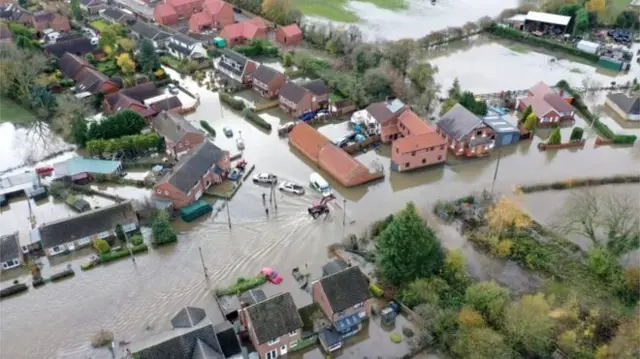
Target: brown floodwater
(134, 301)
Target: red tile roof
(540, 89)
(247, 29)
(164, 10)
(308, 140)
(176, 3)
(200, 19)
(414, 124)
(214, 7)
(291, 30)
(539, 106)
(414, 143)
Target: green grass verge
(99, 24)
(335, 9)
(304, 343)
(111, 256)
(12, 112)
(242, 285)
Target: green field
(14, 113)
(335, 9)
(99, 24)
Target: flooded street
(134, 301)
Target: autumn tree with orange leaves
(505, 215)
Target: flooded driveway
(135, 301)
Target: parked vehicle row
(316, 182)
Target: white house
(185, 47)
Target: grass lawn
(614, 8)
(99, 24)
(334, 9)
(14, 113)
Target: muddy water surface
(135, 301)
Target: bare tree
(20, 69)
(605, 217)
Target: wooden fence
(357, 147)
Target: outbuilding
(504, 129)
(546, 23)
(289, 35)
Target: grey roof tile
(274, 317)
(193, 166)
(345, 288)
(458, 122)
(188, 317)
(292, 92)
(9, 247)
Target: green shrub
(258, 47)
(576, 134)
(407, 332)
(101, 245)
(555, 138)
(376, 291)
(228, 100)
(137, 240)
(208, 127)
(111, 256)
(242, 285)
(396, 338)
(518, 35)
(162, 231)
(252, 116)
(624, 139)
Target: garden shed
(504, 128)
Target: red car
(272, 276)
(44, 170)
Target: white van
(319, 184)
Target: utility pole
(273, 190)
(271, 193)
(204, 268)
(344, 212)
(495, 174)
(228, 211)
(126, 240)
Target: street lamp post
(228, 211)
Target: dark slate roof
(116, 14)
(274, 317)
(189, 41)
(292, 92)
(236, 57)
(252, 297)
(149, 31)
(9, 247)
(173, 126)
(345, 288)
(141, 92)
(188, 317)
(179, 48)
(458, 122)
(227, 339)
(334, 266)
(265, 74)
(70, 64)
(199, 342)
(630, 105)
(193, 165)
(79, 45)
(91, 80)
(86, 224)
(167, 104)
(316, 87)
(330, 337)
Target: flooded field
(20, 145)
(135, 301)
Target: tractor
(320, 208)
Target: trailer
(610, 64)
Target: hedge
(208, 127)
(235, 104)
(252, 116)
(376, 291)
(242, 285)
(111, 256)
(518, 35)
(603, 129)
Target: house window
(272, 354)
(358, 305)
(406, 165)
(442, 147)
(83, 241)
(293, 333)
(439, 158)
(273, 341)
(397, 150)
(413, 153)
(293, 344)
(478, 133)
(424, 161)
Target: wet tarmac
(135, 301)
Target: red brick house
(466, 134)
(298, 100)
(165, 14)
(200, 22)
(194, 173)
(268, 82)
(42, 20)
(220, 12)
(244, 32)
(71, 64)
(91, 80)
(180, 136)
(274, 325)
(550, 106)
(290, 35)
(132, 98)
(185, 8)
(345, 299)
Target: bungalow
(235, 67)
(132, 98)
(550, 106)
(200, 22)
(625, 106)
(143, 30)
(11, 255)
(42, 20)
(80, 169)
(185, 47)
(267, 81)
(274, 325)
(244, 32)
(80, 46)
(465, 132)
(73, 233)
(170, 103)
(192, 335)
(93, 81)
(71, 65)
(115, 15)
(220, 12)
(299, 99)
(345, 299)
(290, 35)
(194, 173)
(92, 6)
(180, 136)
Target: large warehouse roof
(548, 18)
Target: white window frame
(361, 304)
(273, 354)
(293, 333)
(83, 241)
(273, 341)
(283, 349)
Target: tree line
(124, 123)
